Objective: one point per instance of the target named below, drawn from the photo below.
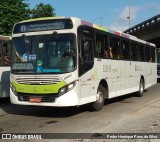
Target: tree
(42, 10)
(12, 11)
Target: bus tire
(141, 88)
(100, 98)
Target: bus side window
(134, 51)
(138, 53)
(125, 50)
(115, 46)
(85, 55)
(148, 53)
(100, 45)
(142, 52)
(7, 54)
(88, 51)
(153, 50)
(80, 44)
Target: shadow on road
(121, 99)
(4, 101)
(41, 111)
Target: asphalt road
(126, 114)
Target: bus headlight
(13, 89)
(67, 88)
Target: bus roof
(42, 18)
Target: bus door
(85, 66)
(86, 60)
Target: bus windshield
(55, 53)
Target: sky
(108, 13)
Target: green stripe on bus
(38, 89)
(42, 18)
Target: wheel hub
(99, 97)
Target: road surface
(126, 114)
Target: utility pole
(129, 12)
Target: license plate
(35, 99)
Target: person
(108, 53)
(68, 52)
(7, 60)
(150, 60)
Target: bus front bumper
(68, 99)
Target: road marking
(147, 105)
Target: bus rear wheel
(141, 88)
(98, 105)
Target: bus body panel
(123, 77)
(151, 74)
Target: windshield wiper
(54, 34)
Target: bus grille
(38, 80)
(44, 98)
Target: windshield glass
(54, 53)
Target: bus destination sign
(43, 25)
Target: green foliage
(42, 10)
(12, 11)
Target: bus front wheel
(98, 105)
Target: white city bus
(65, 62)
(5, 50)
